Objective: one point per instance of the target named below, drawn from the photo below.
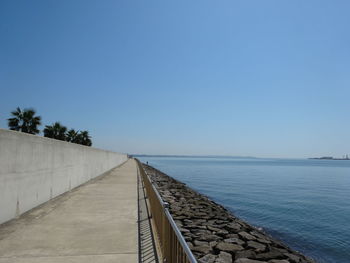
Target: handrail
(183, 243)
(173, 245)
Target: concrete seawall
(35, 169)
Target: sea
(303, 202)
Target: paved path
(148, 251)
(95, 223)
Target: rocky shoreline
(213, 233)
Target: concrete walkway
(94, 223)
(147, 241)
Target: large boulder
(228, 247)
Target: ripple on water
(304, 203)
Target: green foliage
(82, 137)
(72, 136)
(85, 138)
(55, 131)
(24, 121)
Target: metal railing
(174, 247)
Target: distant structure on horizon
(345, 157)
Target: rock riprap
(214, 234)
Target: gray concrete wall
(34, 169)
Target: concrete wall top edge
(46, 139)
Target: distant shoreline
(330, 159)
(233, 157)
(194, 156)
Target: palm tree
(72, 136)
(24, 121)
(55, 131)
(85, 138)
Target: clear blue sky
(259, 78)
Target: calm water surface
(305, 203)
